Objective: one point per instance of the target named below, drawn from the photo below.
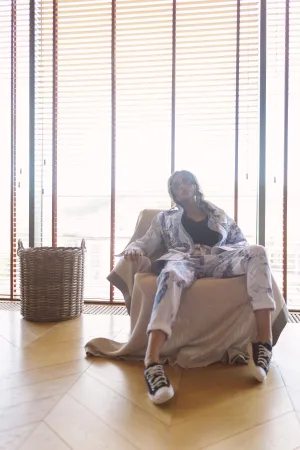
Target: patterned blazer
(167, 232)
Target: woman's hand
(133, 255)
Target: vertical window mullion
(173, 125)
(54, 123)
(261, 218)
(13, 254)
(285, 150)
(237, 90)
(32, 124)
(113, 144)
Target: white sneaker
(159, 388)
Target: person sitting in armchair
(200, 241)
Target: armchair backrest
(143, 223)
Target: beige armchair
(214, 322)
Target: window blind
(137, 88)
(211, 101)
(14, 104)
(293, 139)
(84, 121)
(275, 135)
(43, 138)
(21, 162)
(206, 35)
(6, 22)
(248, 118)
(143, 50)
(124, 92)
(283, 71)
(143, 110)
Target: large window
(102, 99)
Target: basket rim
(30, 249)
(50, 249)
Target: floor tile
(17, 335)
(282, 433)
(26, 413)
(222, 390)
(43, 438)
(33, 362)
(37, 391)
(127, 378)
(23, 378)
(137, 426)
(13, 320)
(205, 430)
(81, 429)
(218, 411)
(55, 353)
(8, 351)
(12, 439)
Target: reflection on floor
(53, 398)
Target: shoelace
(156, 377)
(263, 356)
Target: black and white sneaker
(159, 388)
(260, 358)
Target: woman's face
(183, 188)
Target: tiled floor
(53, 398)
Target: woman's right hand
(132, 255)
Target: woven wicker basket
(51, 282)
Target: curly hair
(202, 203)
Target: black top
(200, 232)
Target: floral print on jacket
(167, 232)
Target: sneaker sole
(258, 373)
(165, 395)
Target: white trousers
(251, 261)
